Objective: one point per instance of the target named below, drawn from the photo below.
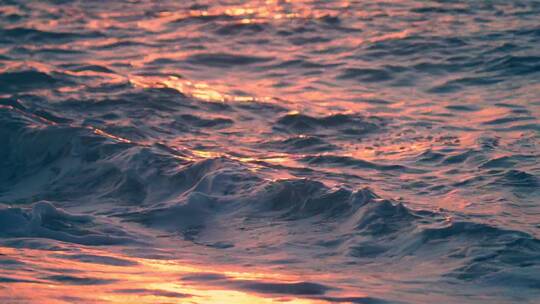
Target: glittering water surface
(269, 151)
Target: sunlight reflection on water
(269, 151)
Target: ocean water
(269, 151)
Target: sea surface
(269, 151)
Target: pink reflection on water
(141, 280)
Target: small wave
(346, 161)
(386, 151)
(37, 36)
(44, 220)
(241, 29)
(508, 161)
(455, 85)
(414, 44)
(519, 179)
(514, 65)
(259, 286)
(75, 280)
(19, 81)
(440, 10)
(92, 68)
(98, 259)
(206, 123)
(301, 144)
(225, 59)
(508, 120)
(348, 124)
(366, 75)
(305, 198)
(153, 293)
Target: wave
(38, 36)
(225, 59)
(300, 144)
(20, 81)
(44, 220)
(383, 158)
(344, 123)
(350, 162)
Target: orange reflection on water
(198, 90)
(63, 278)
(111, 136)
(248, 12)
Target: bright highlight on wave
(197, 90)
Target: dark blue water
(269, 151)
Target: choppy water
(269, 151)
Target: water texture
(269, 151)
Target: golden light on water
(142, 281)
(198, 90)
(239, 151)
